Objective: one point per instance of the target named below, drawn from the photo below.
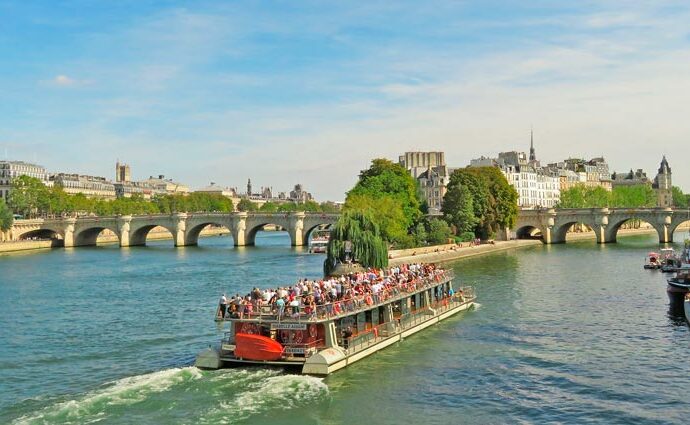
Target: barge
(321, 339)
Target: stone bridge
(131, 230)
(553, 224)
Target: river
(572, 333)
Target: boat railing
(345, 306)
(374, 334)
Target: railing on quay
(340, 308)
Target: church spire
(532, 153)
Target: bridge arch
(615, 225)
(138, 236)
(529, 232)
(250, 238)
(676, 225)
(44, 234)
(560, 230)
(191, 237)
(310, 230)
(89, 236)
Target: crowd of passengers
(333, 296)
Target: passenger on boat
(347, 334)
(223, 306)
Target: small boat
(257, 347)
(686, 307)
(652, 261)
(679, 285)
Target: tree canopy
(358, 231)
(390, 195)
(480, 200)
(6, 217)
(680, 199)
(635, 196)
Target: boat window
(361, 322)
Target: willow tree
(356, 230)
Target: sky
(287, 92)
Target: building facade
(12, 169)
(89, 186)
(537, 186)
(432, 175)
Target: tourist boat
(319, 241)
(652, 261)
(335, 335)
(679, 285)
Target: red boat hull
(257, 347)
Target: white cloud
(63, 80)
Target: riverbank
(103, 239)
(451, 252)
(445, 253)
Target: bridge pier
(239, 228)
(296, 229)
(180, 222)
(124, 226)
(70, 224)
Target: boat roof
(652, 254)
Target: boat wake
(94, 406)
(219, 397)
(262, 391)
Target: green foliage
(387, 179)
(465, 237)
(636, 196)
(246, 205)
(479, 200)
(438, 232)
(368, 247)
(269, 207)
(458, 207)
(386, 212)
(680, 199)
(28, 196)
(419, 234)
(6, 216)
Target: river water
(573, 333)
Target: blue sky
(298, 91)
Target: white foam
(270, 392)
(477, 306)
(91, 407)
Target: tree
(480, 200)
(439, 232)
(269, 207)
(458, 207)
(679, 198)
(358, 231)
(246, 205)
(385, 178)
(386, 212)
(28, 196)
(6, 217)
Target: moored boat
(320, 339)
(686, 307)
(652, 261)
(679, 285)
